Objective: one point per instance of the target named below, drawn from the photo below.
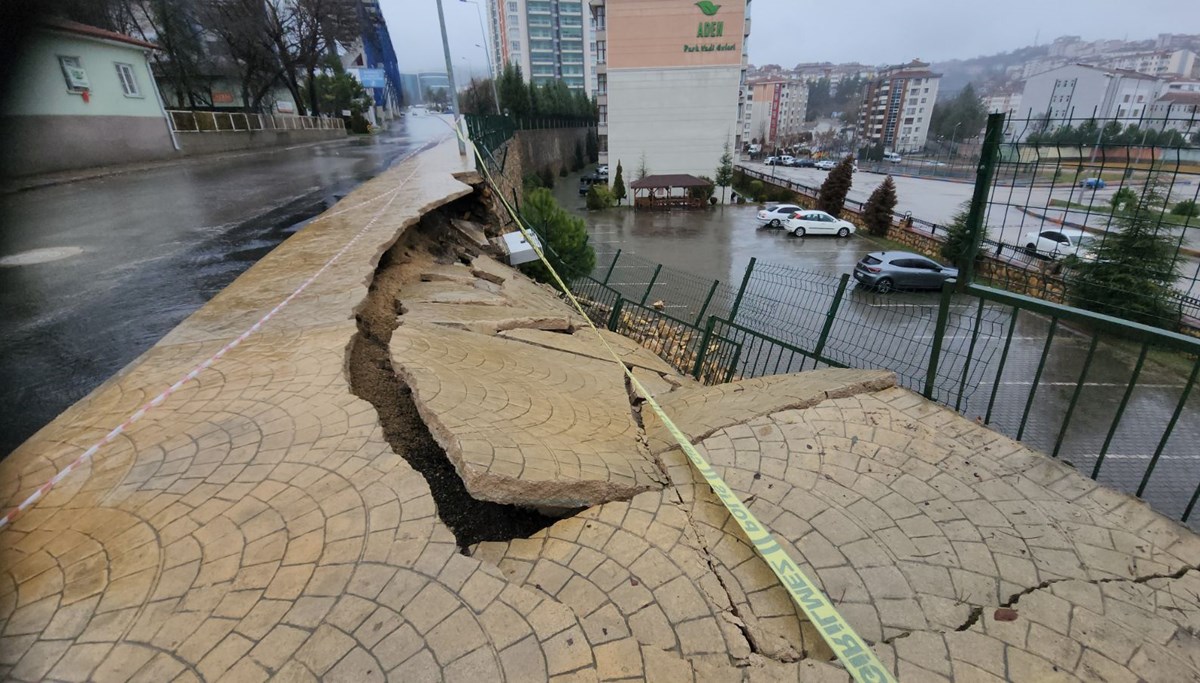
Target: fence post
(939, 331)
(616, 313)
(703, 350)
(653, 279)
(979, 198)
(737, 302)
(707, 300)
(611, 266)
(830, 317)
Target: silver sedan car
(888, 270)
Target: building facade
(669, 82)
(1069, 94)
(773, 114)
(82, 96)
(547, 39)
(1154, 63)
(897, 106)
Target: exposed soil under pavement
(373, 379)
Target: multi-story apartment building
(548, 39)
(1069, 94)
(668, 78)
(1006, 100)
(897, 107)
(1154, 63)
(774, 111)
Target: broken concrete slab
(525, 425)
(584, 343)
(474, 232)
(701, 410)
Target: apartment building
(1154, 63)
(1068, 94)
(669, 74)
(774, 111)
(548, 39)
(897, 106)
(1004, 101)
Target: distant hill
(956, 73)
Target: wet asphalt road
(797, 277)
(93, 273)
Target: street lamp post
(953, 140)
(487, 52)
(462, 146)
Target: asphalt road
(93, 273)
(793, 286)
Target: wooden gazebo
(670, 191)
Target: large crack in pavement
(373, 379)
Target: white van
(892, 157)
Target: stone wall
(552, 148)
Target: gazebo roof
(651, 182)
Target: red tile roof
(77, 28)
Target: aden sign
(709, 29)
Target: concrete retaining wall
(192, 144)
(36, 145)
(47, 144)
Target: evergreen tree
(1133, 270)
(957, 242)
(618, 185)
(877, 212)
(593, 146)
(564, 238)
(724, 174)
(832, 196)
(577, 161)
(514, 95)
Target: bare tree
(248, 50)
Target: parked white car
(1059, 243)
(826, 164)
(810, 222)
(776, 216)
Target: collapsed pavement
(452, 482)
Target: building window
(74, 74)
(515, 46)
(129, 82)
(512, 7)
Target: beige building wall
(673, 75)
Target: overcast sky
(870, 31)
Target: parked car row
(801, 222)
(795, 162)
(883, 271)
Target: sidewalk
(25, 183)
(329, 499)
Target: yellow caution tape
(850, 648)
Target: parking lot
(895, 331)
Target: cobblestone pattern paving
(917, 523)
(258, 526)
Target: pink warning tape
(192, 374)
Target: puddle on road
(36, 256)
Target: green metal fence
(1111, 395)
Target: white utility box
(519, 251)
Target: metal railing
(233, 121)
(1133, 426)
